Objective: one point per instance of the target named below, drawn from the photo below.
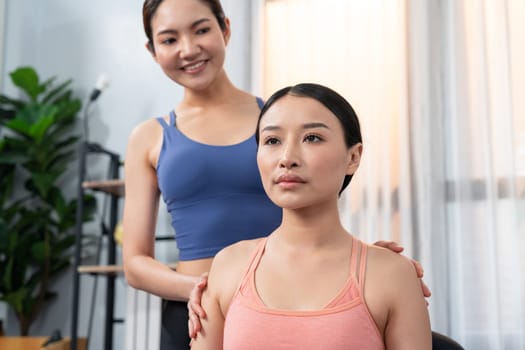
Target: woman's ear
(354, 158)
(151, 49)
(227, 30)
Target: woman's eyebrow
(315, 125)
(271, 128)
(305, 126)
(193, 25)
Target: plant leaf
(16, 299)
(27, 79)
(3, 236)
(39, 129)
(50, 96)
(40, 251)
(36, 221)
(14, 103)
(44, 182)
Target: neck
(219, 91)
(312, 228)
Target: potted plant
(37, 220)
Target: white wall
(3, 307)
(2, 28)
(81, 40)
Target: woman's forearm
(152, 276)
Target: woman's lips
(194, 67)
(289, 181)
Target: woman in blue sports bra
(200, 158)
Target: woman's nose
(189, 48)
(289, 158)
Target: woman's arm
(210, 336)
(140, 215)
(394, 287)
(211, 329)
(224, 279)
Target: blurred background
(438, 86)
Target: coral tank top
(345, 323)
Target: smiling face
(302, 154)
(188, 42)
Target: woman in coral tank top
(311, 284)
(199, 158)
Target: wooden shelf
(115, 187)
(35, 343)
(109, 269)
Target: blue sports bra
(214, 194)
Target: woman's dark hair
(149, 8)
(336, 103)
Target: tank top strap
(162, 122)
(260, 102)
(354, 255)
(252, 264)
(165, 125)
(358, 262)
(172, 118)
(362, 266)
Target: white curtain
(438, 86)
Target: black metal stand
(85, 149)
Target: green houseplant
(37, 221)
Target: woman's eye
(271, 141)
(312, 138)
(168, 41)
(203, 30)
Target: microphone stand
(94, 95)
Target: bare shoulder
(145, 140)
(227, 270)
(395, 300)
(144, 130)
(390, 277)
(236, 255)
(396, 270)
(389, 261)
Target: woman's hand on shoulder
(223, 280)
(227, 269)
(195, 310)
(224, 276)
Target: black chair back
(442, 342)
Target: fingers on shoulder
(391, 245)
